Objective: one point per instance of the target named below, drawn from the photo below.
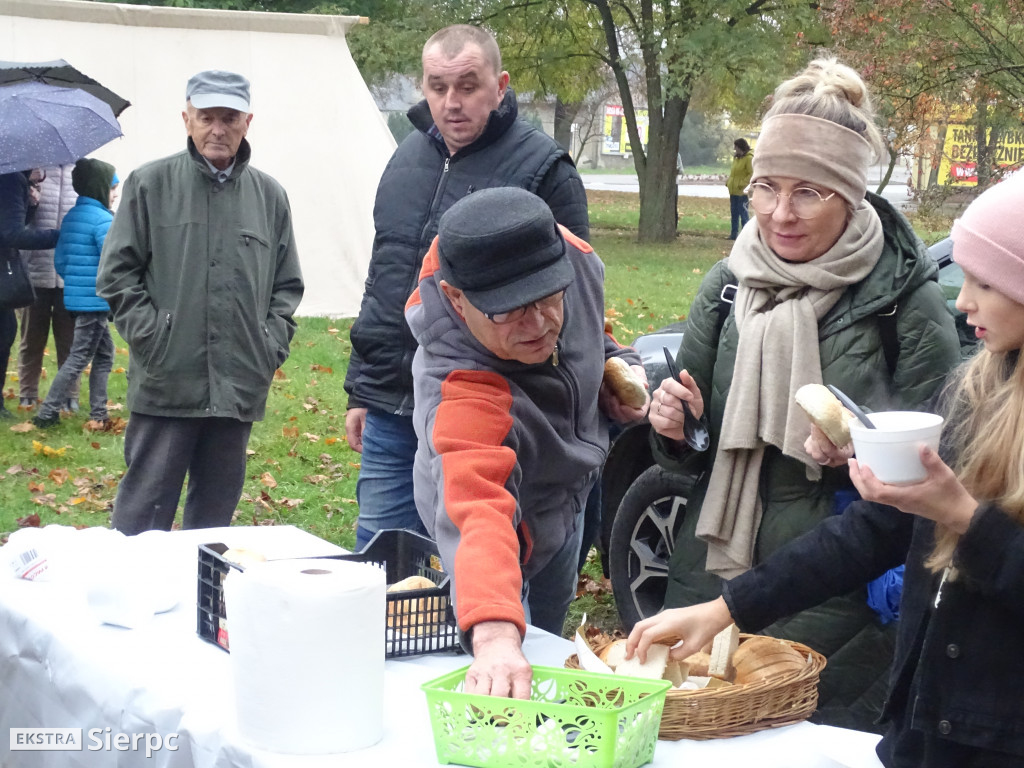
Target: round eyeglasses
(804, 202)
(548, 302)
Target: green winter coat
(203, 278)
(858, 646)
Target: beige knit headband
(814, 150)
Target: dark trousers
(738, 213)
(36, 320)
(92, 344)
(159, 451)
(8, 332)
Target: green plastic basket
(572, 718)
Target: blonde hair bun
(832, 91)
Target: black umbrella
(61, 74)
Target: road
(895, 192)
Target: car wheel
(642, 539)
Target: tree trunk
(565, 114)
(983, 165)
(659, 193)
(888, 171)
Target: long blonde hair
(986, 418)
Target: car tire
(642, 540)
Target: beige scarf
(778, 306)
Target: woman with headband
(829, 284)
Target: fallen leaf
(291, 432)
(75, 500)
(330, 441)
(290, 503)
(321, 368)
(25, 426)
(268, 480)
(118, 370)
(29, 521)
(95, 445)
(315, 479)
(311, 437)
(35, 487)
(15, 469)
(279, 375)
(59, 476)
(115, 406)
(332, 330)
(250, 452)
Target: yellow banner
(959, 167)
(616, 135)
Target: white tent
(315, 126)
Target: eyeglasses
(804, 202)
(504, 318)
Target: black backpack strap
(889, 337)
(725, 301)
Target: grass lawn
(300, 470)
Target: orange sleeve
(471, 424)
(431, 264)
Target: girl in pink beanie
(956, 694)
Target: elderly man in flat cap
(511, 417)
(202, 274)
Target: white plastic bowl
(892, 450)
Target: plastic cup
(892, 450)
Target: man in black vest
(468, 137)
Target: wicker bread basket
(715, 713)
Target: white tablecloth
(60, 668)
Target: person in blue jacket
(77, 260)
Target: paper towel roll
(307, 654)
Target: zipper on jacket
(554, 354)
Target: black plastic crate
(419, 621)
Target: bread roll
(412, 582)
(760, 658)
(244, 557)
(415, 617)
(826, 412)
(698, 663)
(626, 385)
(614, 653)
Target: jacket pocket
(271, 347)
(161, 338)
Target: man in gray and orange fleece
(510, 418)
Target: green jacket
(203, 278)
(740, 174)
(844, 629)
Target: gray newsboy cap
(503, 249)
(216, 88)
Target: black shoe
(46, 421)
(5, 414)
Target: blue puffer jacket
(77, 256)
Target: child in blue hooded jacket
(77, 259)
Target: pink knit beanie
(988, 240)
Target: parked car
(644, 505)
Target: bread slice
(652, 669)
(722, 649)
(826, 412)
